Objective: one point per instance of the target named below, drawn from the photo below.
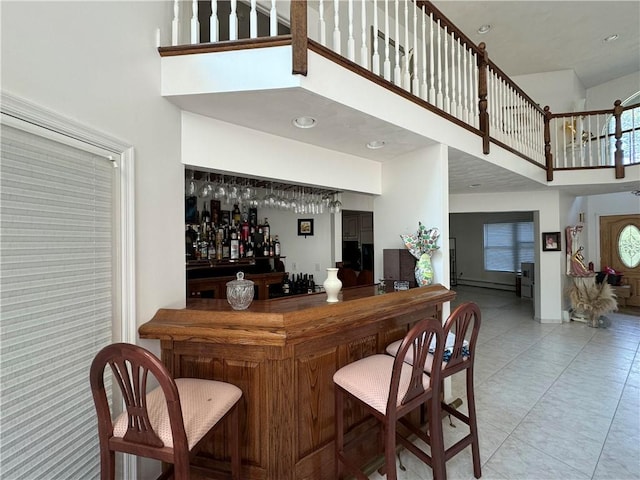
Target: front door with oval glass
(620, 249)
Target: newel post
(483, 61)
(299, 39)
(548, 156)
(617, 114)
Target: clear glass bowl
(240, 292)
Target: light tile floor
(554, 401)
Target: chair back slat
(417, 340)
(464, 316)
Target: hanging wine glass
(220, 191)
(270, 198)
(190, 186)
(206, 191)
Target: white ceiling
(526, 37)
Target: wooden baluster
(415, 87)
(465, 85)
(233, 21)
(214, 25)
(601, 155)
(397, 80)
(375, 60)
(406, 77)
(475, 82)
(548, 157)
(424, 91)
(445, 70)
(273, 19)
(439, 96)
(589, 142)
(364, 50)
(504, 114)
(458, 67)
(253, 20)
(351, 43)
(336, 27)
(386, 68)
(322, 27)
(175, 23)
(483, 118)
(299, 37)
(617, 114)
(195, 24)
(432, 85)
(454, 105)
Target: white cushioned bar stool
(389, 389)
(170, 423)
(459, 353)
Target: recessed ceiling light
(484, 28)
(610, 38)
(304, 122)
(475, 185)
(375, 144)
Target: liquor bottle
(219, 240)
(266, 230)
(312, 285)
(286, 286)
(249, 249)
(265, 249)
(253, 217)
(234, 246)
(276, 247)
(226, 246)
(237, 216)
(271, 247)
(244, 231)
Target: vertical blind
(507, 245)
(56, 303)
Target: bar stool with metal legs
(390, 388)
(459, 353)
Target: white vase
(332, 285)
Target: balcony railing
(410, 47)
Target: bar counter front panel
(283, 353)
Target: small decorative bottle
(332, 285)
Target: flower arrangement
(423, 241)
(421, 245)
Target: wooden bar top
(282, 353)
(286, 320)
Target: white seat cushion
(392, 349)
(203, 402)
(369, 379)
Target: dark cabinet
(399, 264)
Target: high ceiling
(544, 36)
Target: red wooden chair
(390, 388)
(170, 423)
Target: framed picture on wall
(305, 226)
(551, 242)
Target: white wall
(414, 189)
(603, 96)
(102, 69)
(559, 90)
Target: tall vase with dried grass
(594, 299)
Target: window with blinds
(507, 245)
(57, 280)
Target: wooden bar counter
(283, 353)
